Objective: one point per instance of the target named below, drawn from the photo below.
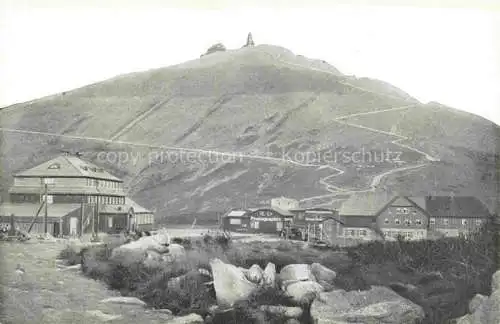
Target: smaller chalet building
(270, 220)
(375, 215)
(454, 216)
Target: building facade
(80, 198)
(258, 220)
(454, 216)
(371, 216)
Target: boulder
(269, 275)
(159, 243)
(489, 311)
(476, 302)
(103, 316)
(303, 292)
(377, 305)
(230, 283)
(292, 321)
(324, 276)
(176, 251)
(188, 319)
(466, 319)
(124, 300)
(495, 281)
(255, 274)
(297, 272)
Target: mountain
(287, 125)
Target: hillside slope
(289, 126)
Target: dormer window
(84, 167)
(54, 166)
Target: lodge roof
(276, 209)
(68, 166)
(457, 206)
(372, 203)
(29, 210)
(365, 204)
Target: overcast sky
(447, 55)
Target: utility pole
(12, 230)
(98, 216)
(45, 208)
(82, 214)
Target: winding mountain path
(325, 181)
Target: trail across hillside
(334, 190)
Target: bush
(71, 255)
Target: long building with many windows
(81, 198)
(372, 215)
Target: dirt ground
(47, 295)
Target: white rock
(75, 267)
(159, 243)
(495, 281)
(188, 319)
(301, 272)
(377, 305)
(102, 316)
(230, 283)
(124, 300)
(255, 274)
(269, 275)
(303, 292)
(476, 302)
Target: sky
(447, 55)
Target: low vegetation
(441, 276)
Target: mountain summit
(287, 125)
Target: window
(418, 222)
(55, 166)
(362, 233)
(235, 221)
(464, 222)
(407, 222)
(48, 180)
(110, 221)
(478, 222)
(432, 221)
(397, 221)
(398, 210)
(386, 221)
(445, 221)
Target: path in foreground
(49, 296)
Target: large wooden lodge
(80, 198)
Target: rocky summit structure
(250, 41)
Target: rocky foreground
(298, 293)
(154, 280)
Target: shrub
(71, 255)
